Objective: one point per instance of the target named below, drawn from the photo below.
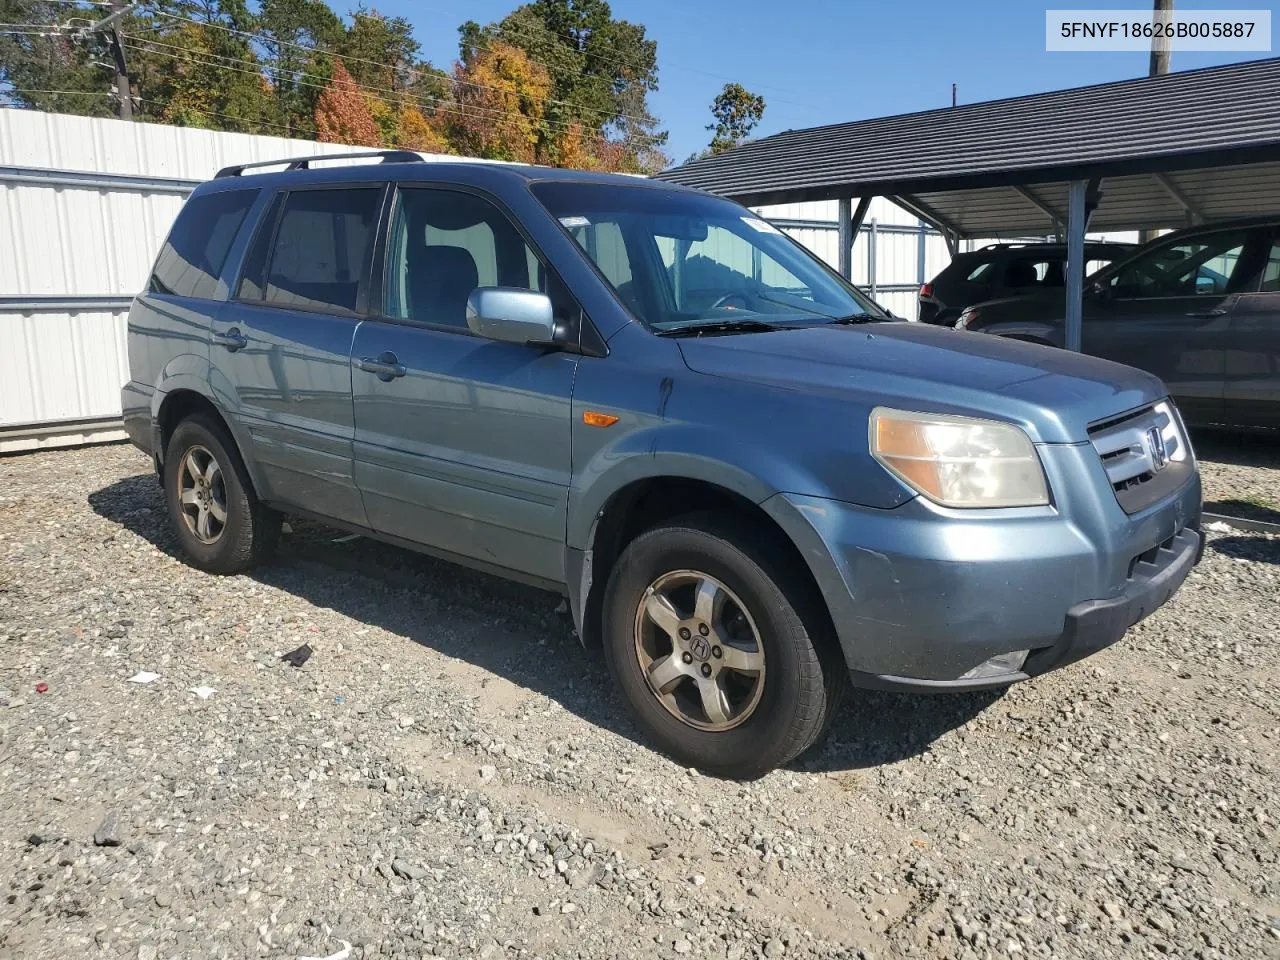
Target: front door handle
(1207, 314)
(386, 365)
(233, 339)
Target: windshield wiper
(857, 318)
(718, 326)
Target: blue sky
(826, 61)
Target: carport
(1157, 152)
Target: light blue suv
(751, 483)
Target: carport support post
(850, 224)
(1077, 219)
(844, 217)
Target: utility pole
(953, 95)
(118, 9)
(1161, 15)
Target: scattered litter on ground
(286, 527)
(204, 693)
(340, 955)
(144, 676)
(297, 658)
(42, 687)
(1217, 526)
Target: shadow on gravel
(1244, 509)
(874, 727)
(514, 631)
(1258, 549)
(1241, 449)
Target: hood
(1053, 394)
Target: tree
(342, 112)
(285, 30)
(31, 63)
(736, 112)
(196, 75)
(415, 132)
(601, 71)
(498, 105)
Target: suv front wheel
(212, 506)
(705, 637)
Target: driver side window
(1203, 266)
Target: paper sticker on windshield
(573, 223)
(762, 226)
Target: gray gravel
(449, 775)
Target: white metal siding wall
(899, 270)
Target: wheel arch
(644, 503)
(181, 401)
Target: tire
(246, 532)
(767, 623)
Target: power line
(135, 42)
(104, 93)
(412, 71)
(626, 63)
(256, 69)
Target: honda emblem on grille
(1155, 443)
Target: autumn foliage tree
(415, 132)
(499, 105)
(343, 114)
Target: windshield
(686, 261)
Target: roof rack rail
(304, 163)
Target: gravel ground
(449, 775)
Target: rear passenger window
(1026, 272)
(197, 247)
(319, 251)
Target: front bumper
(921, 595)
(1090, 626)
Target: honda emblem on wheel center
(700, 648)
(1155, 443)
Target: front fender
(680, 450)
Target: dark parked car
(750, 483)
(1199, 308)
(1002, 270)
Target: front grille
(1139, 448)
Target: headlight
(959, 461)
(967, 316)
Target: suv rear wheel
(716, 648)
(212, 507)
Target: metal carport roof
(1185, 147)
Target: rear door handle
(387, 366)
(233, 339)
(1207, 314)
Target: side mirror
(1098, 290)
(511, 315)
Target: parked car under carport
(1199, 308)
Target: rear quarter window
(198, 244)
(982, 273)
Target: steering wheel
(724, 302)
